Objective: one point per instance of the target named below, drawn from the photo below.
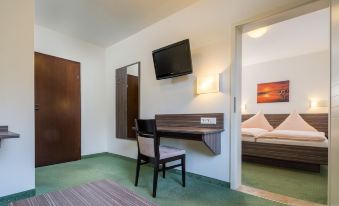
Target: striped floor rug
(99, 193)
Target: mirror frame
(139, 97)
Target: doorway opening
(281, 105)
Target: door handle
(36, 107)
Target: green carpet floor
(122, 170)
(303, 185)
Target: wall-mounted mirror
(127, 100)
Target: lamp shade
(318, 103)
(208, 84)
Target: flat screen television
(173, 60)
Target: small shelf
(5, 134)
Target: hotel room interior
(282, 152)
(171, 102)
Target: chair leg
(155, 179)
(183, 171)
(137, 172)
(163, 170)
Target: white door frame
(333, 198)
(235, 116)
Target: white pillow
(295, 122)
(257, 121)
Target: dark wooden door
(132, 104)
(57, 110)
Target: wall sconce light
(244, 108)
(208, 84)
(315, 103)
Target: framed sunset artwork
(273, 92)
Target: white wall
(17, 172)
(133, 70)
(309, 77)
(92, 59)
(209, 25)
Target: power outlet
(208, 120)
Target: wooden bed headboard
(318, 121)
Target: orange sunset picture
(273, 92)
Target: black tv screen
(173, 60)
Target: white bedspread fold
(253, 132)
(294, 135)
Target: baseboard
(202, 178)
(94, 155)
(174, 171)
(17, 196)
(107, 154)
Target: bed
(292, 154)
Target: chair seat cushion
(167, 152)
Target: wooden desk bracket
(213, 142)
(5, 134)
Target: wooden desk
(188, 127)
(5, 134)
(210, 137)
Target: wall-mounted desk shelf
(210, 137)
(188, 127)
(5, 134)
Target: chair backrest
(148, 141)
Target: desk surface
(190, 130)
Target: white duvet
(253, 132)
(294, 135)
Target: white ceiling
(103, 22)
(301, 35)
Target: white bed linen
(294, 142)
(253, 132)
(247, 138)
(294, 135)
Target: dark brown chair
(150, 151)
